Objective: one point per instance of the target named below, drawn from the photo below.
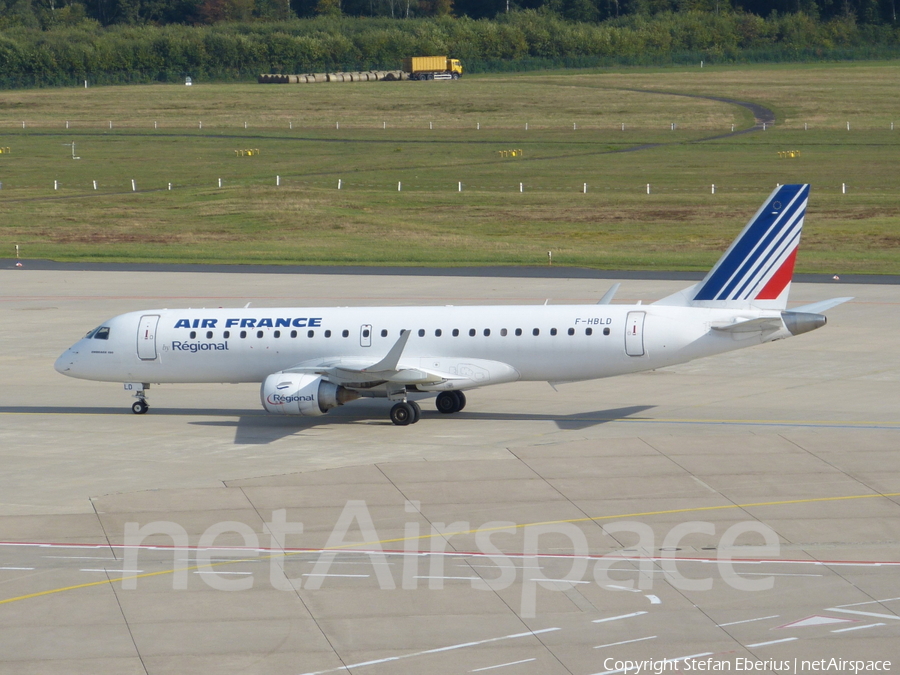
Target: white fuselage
(556, 343)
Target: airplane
(311, 360)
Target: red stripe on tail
(779, 280)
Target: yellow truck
(432, 68)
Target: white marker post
(399, 186)
(220, 182)
(95, 184)
(713, 188)
(521, 187)
(848, 126)
(339, 183)
(430, 125)
(584, 189)
(67, 124)
(648, 188)
(277, 181)
(170, 186)
(133, 186)
(200, 124)
(478, 126)
(843, 188)
(459, 187)
(56, 185)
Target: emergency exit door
(634, 333)
(146, 337)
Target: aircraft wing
(357, 373)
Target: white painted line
(653, 600)
(462, 645)
(625, 642)
(735, 623)
(79, 557)
(217, 572)
(676, 660)
(350, 562)
(115, 571)
(853, 611)
(773, 574)
(16, 568)
(562, 581)
(869, 602)
(772, 642)
(457, 578)
(616, 618)
(502, 665)
(870, 625)
(511, 567)
(351, 576)
(622, 588)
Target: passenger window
(193, 334)
(365, 333)
(277, 333)
(606, 331)
(345, 333)
(456, 332)
(487, 332)
(421, 332)
(552, 331)
(536, 331)
(209, 335)
(383, 333)
(438, 332)
(518, 331)
(259, 333)
(226, 334)
(471, 332)
(310, 333)
(293, 333)
(588, 331)
(571, 331)
(243, 334)
(102, 333)
(327, 333)
(503, 332)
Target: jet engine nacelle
(302, 394)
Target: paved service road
(745, 507)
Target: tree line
(521, 40)
(46, 14)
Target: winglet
(609, 295)
(390, 361)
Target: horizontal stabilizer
(749, 325)
(821, 306)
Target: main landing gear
(450, 402)
(405, 412)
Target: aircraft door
(634, 333)
(146, 337)
(365, 335)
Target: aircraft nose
(65, 362)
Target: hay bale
(293, 79)
(353, 77)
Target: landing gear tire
(417, 411)
(403, 414)
(448, 402)
(140, 407)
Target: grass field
(426, 137)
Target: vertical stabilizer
(757, 268)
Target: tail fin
(756, 269)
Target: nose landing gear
(139, 391)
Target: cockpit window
(102, 333)
(90, 333)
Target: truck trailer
(432, 68)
